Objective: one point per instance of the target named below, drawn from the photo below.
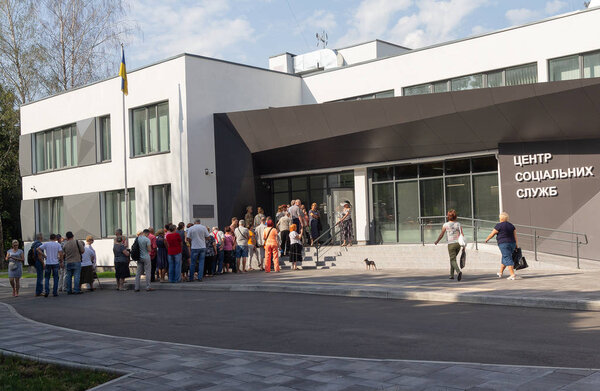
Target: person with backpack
(140, 252)
(73, 250)
(34, 260)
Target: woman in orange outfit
(271, 246)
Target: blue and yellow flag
(123, 72)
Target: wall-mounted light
(208, 172)
(34, 189)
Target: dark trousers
(209, 264)
(153, 269)
(285, 242)
(39, 282)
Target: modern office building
(507, 120)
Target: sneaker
(459, 277)
(46, 294)
(510, 277)
(499, 275)
(137, 290)
(451, 278)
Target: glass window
(526, 74)
(431, 169)
(60, 148)
(105, 146)
(485, 197)
(113, 207)
(407, 202)
(56, 149)
(301, 195)
(418, 90)
(150, 129)
(280, 199)
(485, 164)
(40, 152)
(383, 213)
(462, 166)
(494, 79)
(382, 174)
(347, 179)
(591, 65)
(406, 172)
(280, 185)
(458, 195)
(161, 205)
(432, 197)
(566, 68)
(385, 94)
(467, 82)
(318, 181)
(50, 218)
(441, 86)
(298, 183)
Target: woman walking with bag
(453, 229)
(15, 258)
(507, 242)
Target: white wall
(218, 87)
(539, 42)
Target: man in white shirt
(196, 236)
(53, 259)
(260, 241)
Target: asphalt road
(332, 326)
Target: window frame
(167, 196)
(49, 144)
(580, 58)
(101, 139)
(147, 136)
(55, 214)
(132, 215)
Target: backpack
(135, 250)
(31, 257)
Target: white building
(206, 137)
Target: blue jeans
(219, 263)
(54, 270)
(39, 282)
(507, 250)
(73, 270)
(174, 267)
(198, 256)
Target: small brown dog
(370, 264)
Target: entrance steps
(430, 257)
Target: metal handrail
(317, 242)
(535, 235)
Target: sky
(250, 31)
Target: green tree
(10, 180)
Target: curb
(390, 294)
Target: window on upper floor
(578, 66)
(104, 139)
(376, 95)
(55, 149)
(150, 129)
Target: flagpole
(125, 164)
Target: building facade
(504, 121)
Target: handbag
(463, 257)
(519, 260)
(461, 240)
(12, 266)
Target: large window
(49, 216)
(522, 74)
(377, 95)
(104, 139)
(150, 129)
(55, 149)
(577, 66)
(160, 205)
(114, 211)
(403, 194)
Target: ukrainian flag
(123, 72)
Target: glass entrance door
(336, 200)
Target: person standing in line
(283, 225)
(346, 225)
(280, 213)
(16, 259)
(219, 241)
(185, 252)
(259, 216)
(305, 229)
(38, 263)
(271, 246)
(242, 234)
(296, 214)
(173, 244)
(229, 251)
(153, 253)
(453, 230)
(162, 262)
(507, 242)
(73, 249)
(211, 256)
(121, 258)
(88, 264)
(144, 263)
(62, 268)
(234, 224)
(248, 217)
(252, 248)
(314, 222)
(295, 247)
(196, 236)
(260, 241)
(53, 258)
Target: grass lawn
(17, 374)
(4, 274)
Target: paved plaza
(165, 344)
